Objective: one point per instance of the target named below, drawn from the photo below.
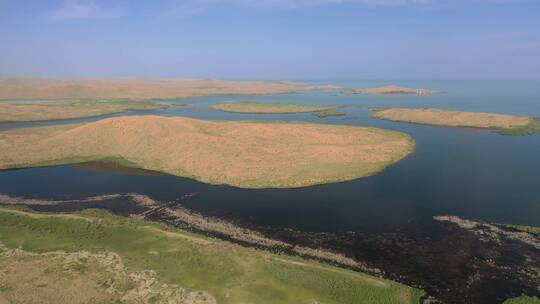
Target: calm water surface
(470, 173)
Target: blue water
(466, 172)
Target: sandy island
(243, 154)
(52, 110)
(136, 88)
(268, 108)
(504, 124)
(392, 89)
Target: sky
(271, 39)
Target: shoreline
(205, 239)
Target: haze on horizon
(271, 39)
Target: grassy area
(324, 114)
(243, 154)
(528, 229)
(523, 300)
(532, 128)
(500, 123)
(251, 107)
(70, 109)
(230, 273)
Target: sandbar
(268, 108)
(502, 123)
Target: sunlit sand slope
(243, 154)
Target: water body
(470, 173)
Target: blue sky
(271, 39)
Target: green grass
(81, 160)
(528, 229)
(523, 300)
(530, 129)
(231, 273)
(324, 114)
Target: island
(136, 88)
(241, 154)
(392, 89)
(500, 123)
(69, 109)
(251, 107)
(325, 114)
(95, 257)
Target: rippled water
(465, 172)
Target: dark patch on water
(118, 206)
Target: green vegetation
(528, 229)
(250, 107)
(532, 128)
(324, 114)
(230, 273)
(81, 160)
(523, 300)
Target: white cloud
(83, 9)
(307, 3)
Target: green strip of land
(528, 229)
(226, 272)
(523, 300)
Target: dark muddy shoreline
(452, 263)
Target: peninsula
(136, 88)
(242, 154)
(69, 109)
(94, 257)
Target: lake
(470, 173)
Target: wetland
(383, 222)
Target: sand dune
(243, 154)
(454, 118)
(268, 108)
(135, 88)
